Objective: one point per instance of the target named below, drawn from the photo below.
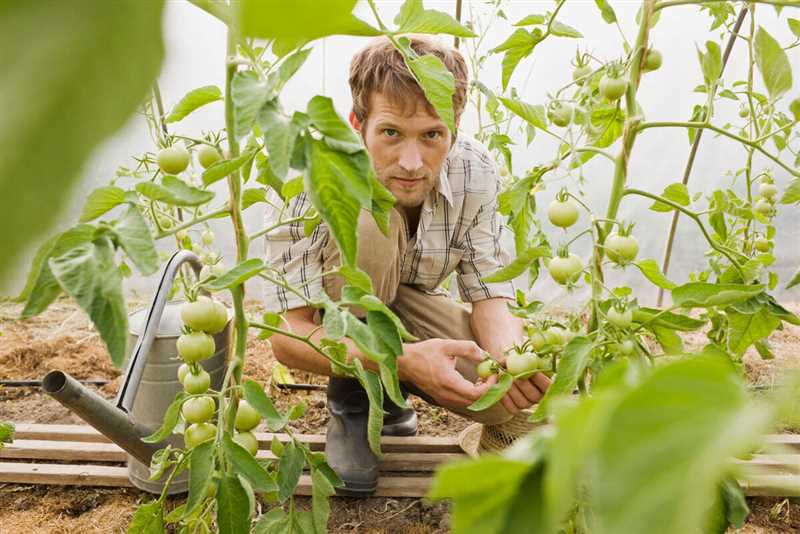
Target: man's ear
(354, 122)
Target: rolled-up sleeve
(484, 253)
(295, 257)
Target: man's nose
(410, 157)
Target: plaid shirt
(458, 231)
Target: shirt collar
(443, 184)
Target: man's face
(407, 150)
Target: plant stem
(723, 132)
(672, 3)
(268, 229)
(189, 224)
(693, 152)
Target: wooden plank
(791, 441)
(85, 433)
(785, 463)
(771, 486)
(109, 452)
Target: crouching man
(444, 221)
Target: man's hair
(379, 67)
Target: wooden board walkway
(79, 455)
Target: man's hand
(431, 366)
(523, 393)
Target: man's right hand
(431, 366)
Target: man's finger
(541, 381)
(518, 398)
(509, 405)
(531, 392)
(465, 389)
(465, 349)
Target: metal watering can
(149, 385)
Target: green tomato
(195, 346)
(173, 160)
(198, 409)
(247, 440)
(486, 368)
(620, 319)
(653, 60)
(219, 269)
(180, 235)
(537, 339)
(768, 190)
(247, 418)
(744, 112)
(621, 249)
(516, 364)
(196, 434)
(612, 88)
(565, 270)
(208, 155)
(204, 314)
(183, 371)
(562, 214)
(555, 335)
(195, 384)
(626, 347)
(762, 244)
(764, 207)
(581, 73)
(561, 115)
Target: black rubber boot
(346, 445)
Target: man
(444, 220)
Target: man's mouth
(407, 182)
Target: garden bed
(62, 338)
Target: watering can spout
(111, 421)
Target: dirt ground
(62, 338)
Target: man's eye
(433, 134)
(391, 132)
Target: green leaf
(6, 433)
(249, 93)
(493, 394)
(791, 194)
(136, 240)
(386, 332)
(562, 30)
(292, 64)
(413, 18)
(100, 201)
(356, 278)
(338, 186)
(677, 193)
(517, 47)
(710, 63)
(372, 385)
(171, 417)
(436, 81)
(255, 395)
(201, 467)
(42, 288)
(794, 26)
(533, 115)
(193, 100)
(391, 384)
(571, 367)
(670, 341)
(481, 491)
(532, 20)
(666, 319)
(321, 490)
(382, 202)
(357, 295)
(333, 322)
(174, 191)
(773, 64)
(244, 463)
(253, 196)
(289, 469)
(233, 506)
(794, 281)
(606, 11)
(148, 519)
(60, 100)
(223, 168)
(518, 266)
(338, 135)
(652, 272)
(280, 135)
(88, 274)
(301, 20)
(237, 276)
(746, 329)
(703, 295)
(693, 415)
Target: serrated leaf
(710, 63)
(233, 506)
(174, 191)
(100, 201)
(249, 93)
(244, 463)
(413, 18)
(253, 196)
(571, 367)
(532, 114)
(193, 100)
(301, 20)
(292, 64)
(201, 467)
(372, 385)
(338, 135)
(436, 81)
(90, 276)
(171, 416)
(519, 45)
(321, 490)
(518, 266)
(652, 272)
(562, 30)
(531, 20)
(255, 395)
(773, 64)
(746, 329)
(703, 294)
(606, 11)
(237, 276)
(677, 193)
(148, 519)
(223, 168)
(60, 101)
(493, 394)
(791, 194)
(289, 469)
(136, 240)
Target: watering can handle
(138, 358)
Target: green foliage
(193, 100)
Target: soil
(63, 338)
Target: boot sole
(356, 490)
